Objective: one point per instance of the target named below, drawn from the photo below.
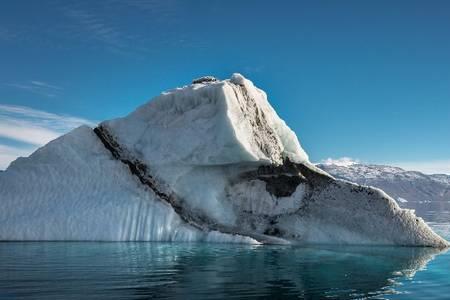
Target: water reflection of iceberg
(231, 271)
(198, 271)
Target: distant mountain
(402, 185)
(411, 189)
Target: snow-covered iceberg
(211, 161)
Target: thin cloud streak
(99, 30)
(37, 87)
(33, 128)
(26, 132)
(58, 122)
(105, 27)
(93, 24)
(46, 85)
(9, 154)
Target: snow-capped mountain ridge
(374, 170)
(397, 182)
(211, 161)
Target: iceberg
(211, 161)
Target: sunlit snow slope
(211, 161)
(405, 186)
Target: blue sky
(369, 80)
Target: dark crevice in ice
(281, 185)
(142, 172)
(164, 193)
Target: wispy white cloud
(96, 28)
(343, 161)
(103, 30)
(94, 25)
(32, 128)
(27, 132)
(37, 87)
(9, 154)
(46, 85)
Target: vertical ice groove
(163, 193)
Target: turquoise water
(44, 270)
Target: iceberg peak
(218, 123)
(237, 78)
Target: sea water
(63, 270)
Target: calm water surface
(42, 270)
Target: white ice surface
(188, 134)
(72, 189)
(206, 124)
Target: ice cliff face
(207, 162)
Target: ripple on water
(214, 271)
